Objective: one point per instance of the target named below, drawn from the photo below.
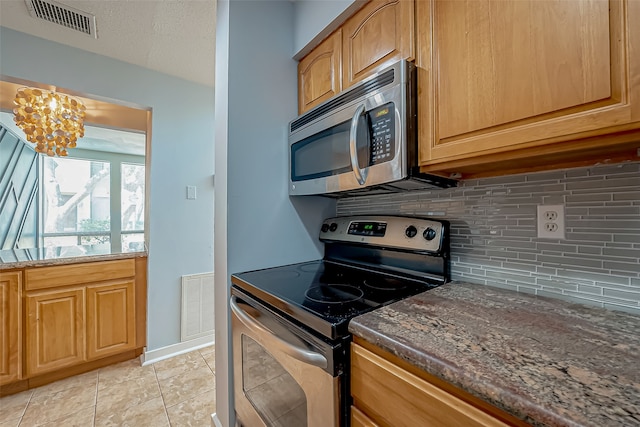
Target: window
(132, 207)
(97, 202)
(76, 203)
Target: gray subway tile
(626, 238)
(510, 276)
(557, 284)
(556, 247)
(593, 250)
(590, 289)
(570, 261)
(626, 195)
(590, 198)
(625, 295)
(622, 266)
(622, 253)
(593, 277)
(633, 182)
(594, 236)
(617, 169)
(615, 210)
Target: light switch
(191, 192)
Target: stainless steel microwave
(361, 141)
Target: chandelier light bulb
(50, 120)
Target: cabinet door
(10, 356)
(379, 34)
(320, 73)
(110, 319)
(392, 396)
(498, 75)
(55, 330)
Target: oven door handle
(301, 354)
(361, 174)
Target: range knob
(324, 228)
(411, 231)
(429, 234)
(333, 226)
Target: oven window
(274, 394)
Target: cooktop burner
(384, 284)
(333, 294)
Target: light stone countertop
(543, 360)
(37, 257)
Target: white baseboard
(152, 356)
(215, 422)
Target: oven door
(280, 376)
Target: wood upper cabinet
(55, 326)
(386, 394)
(110, 319)
(497, 76)
(320, 73)
(10, 331)
(379, 34)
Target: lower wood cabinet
(55, 330)
(10, 342)
(386, 394)
(110, 319)
(67, 319)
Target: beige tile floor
(175, 392)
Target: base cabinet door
(10, 345)
(54, 330)
(110, 319)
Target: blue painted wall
(182, 153)
(257, 224)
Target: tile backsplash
(494, 238)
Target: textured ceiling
(175, 37)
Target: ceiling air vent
(63, 15)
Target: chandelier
(52, 121)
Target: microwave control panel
(382, 134)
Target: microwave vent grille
(359, 91)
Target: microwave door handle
(361, 174)
(303, 355)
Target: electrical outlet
(551, 221)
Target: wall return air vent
(63, 15)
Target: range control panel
(416, 234)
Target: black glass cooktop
(323, 295)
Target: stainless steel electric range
(290, 323)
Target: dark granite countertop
(546, 361)
(59, 255)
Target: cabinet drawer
(394, 397)
(359, 419)
(75, 274)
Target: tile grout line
(95, 407)
(164, 404)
